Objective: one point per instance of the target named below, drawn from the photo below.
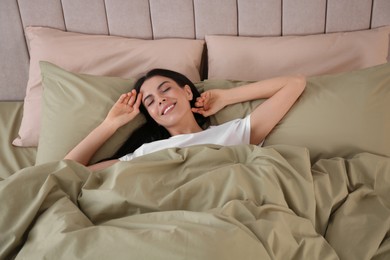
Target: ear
(188, 91)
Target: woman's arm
(83, 152)
(102, 165)
(281, 94)
(123, 111)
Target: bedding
(317, 121)
(100, 55)
(12, 159)
(293, 199)
(338, 115)
(73, 100)
(201, 202)
(318, 189)
(258, 58)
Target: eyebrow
(158, 87)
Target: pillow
(250, 58)
(98, 55)
(337, 115)
(73, 105)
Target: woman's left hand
(209, 102)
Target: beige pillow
(98, 55)
(337, 115)
(73, 105)
(250, 58)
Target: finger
(199, 111)
(205, 95)
(206, 99)
(131, 100)
(126, 98)
(199, 103)
(199, 99)
(121, 98)
(195, 110)
(138, 100)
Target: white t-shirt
(230, 133)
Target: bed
(318, 188)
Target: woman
(175, 114)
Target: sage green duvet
(201, 202)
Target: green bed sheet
(201, 202)
(12, 158)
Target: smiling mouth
(167, 109)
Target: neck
(185, 128)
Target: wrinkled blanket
(201, 202)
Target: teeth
(167, 109)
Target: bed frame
(155, 19)
(317, 189)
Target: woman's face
(166, 102)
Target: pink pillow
(257, 58)
(98, 55)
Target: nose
(162, 100)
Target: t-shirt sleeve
(247, 122)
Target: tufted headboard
(155, 19)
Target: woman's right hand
(125, 109)
(122, 112)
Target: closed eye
(166, 89)
(150, 103)
(163, 87)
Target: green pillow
(73, 105)
(336, 116)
